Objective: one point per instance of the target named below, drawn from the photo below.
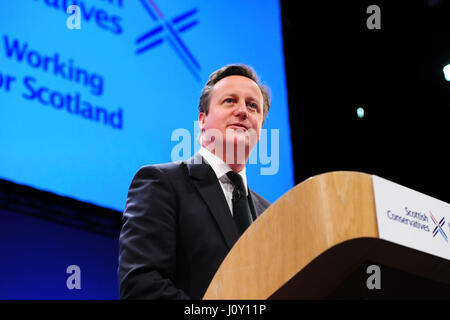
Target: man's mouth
(238, 126)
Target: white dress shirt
(221, 168)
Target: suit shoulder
(158, 169)
(260, 199)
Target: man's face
(235, 116)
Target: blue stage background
(125, 103)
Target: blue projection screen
(83, 109)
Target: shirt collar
(220, 167)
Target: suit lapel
(252, 205)
(208, 186)
(255, 205)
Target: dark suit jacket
(177, 229)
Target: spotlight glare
(447, 72)
(360, 112)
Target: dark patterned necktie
(241, 209)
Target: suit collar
(220, 167)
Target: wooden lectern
(312, 239)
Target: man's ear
(202, 121)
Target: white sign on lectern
(411, 218)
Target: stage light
(447, 72)
(360, 112)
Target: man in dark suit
(182, 218)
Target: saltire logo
(438, 227)
(169, 30)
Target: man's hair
(232, 70)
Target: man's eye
(253, 105)
(228, 100)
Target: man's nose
(241, 109)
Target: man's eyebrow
(228, 94)
(247, 97)
(235, 95)
(253, 98)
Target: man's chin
(238, 146)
